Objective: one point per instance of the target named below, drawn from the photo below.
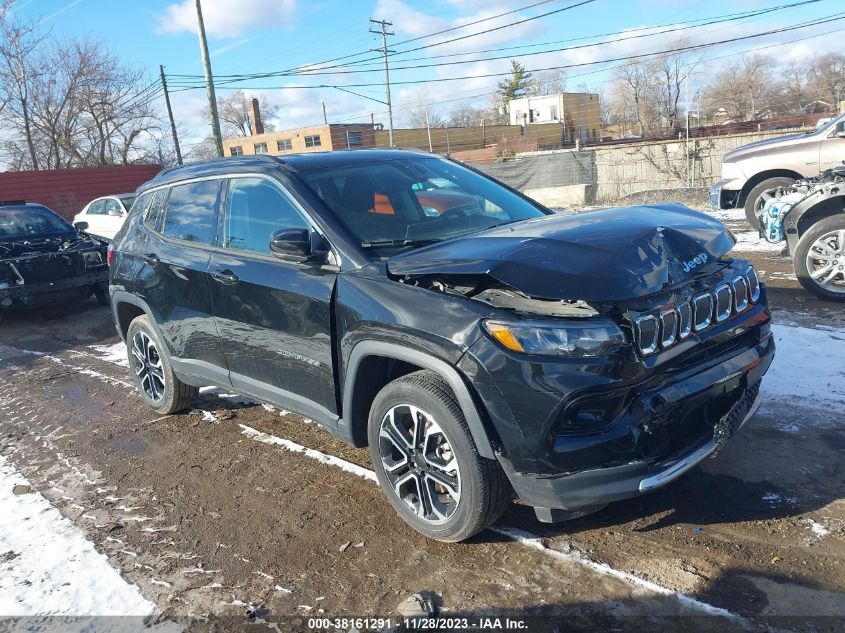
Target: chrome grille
(663, 328)
(702, 310)
(740, 288)
(648, 332)
(684, 319)
(724, 302)
(668, 327)
(753, 284)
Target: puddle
(130, 445)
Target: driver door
(832, 148)
(273, 316)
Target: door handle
(150, 258)
(225, 276)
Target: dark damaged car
(487, 349)
(45, 260)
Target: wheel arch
(389, 361)
(756, 179)
(829, 207)
(125, 308)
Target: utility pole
(170, 115)
(383, 24)
(428, 129)
(325, 118)
(209, 83)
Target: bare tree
(548, 82)
(744, 90)
(236, 113)
(415, 110)
(464, 115)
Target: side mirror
(292, 244)
(81, 226)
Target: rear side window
(190, 212)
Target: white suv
(104, 216)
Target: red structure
(66, 191)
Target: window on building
(257, 208)
(190, 213)
(553, 112)
(236, 150)
(260, 148)
(313, 141)
(594, 133)
(284, 145)
(354, 139)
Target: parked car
(104, 216)
(575, 360)
(809, 218)
(751, 172)
(43, 259)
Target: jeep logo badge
(699, 259)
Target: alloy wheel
(419, 463)
(826, 261)
(146, 363)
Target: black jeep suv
(476, 342)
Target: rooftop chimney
(257, 125)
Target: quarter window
(312, 141)
(260, 148)
(236, 150)
(155, 210)
(284, 145)
(257, 208)
(190, 211)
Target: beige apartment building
(317, 138)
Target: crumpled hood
(608, 255)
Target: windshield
(27, 222)
(413, 201)
(828, 127)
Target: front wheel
(761, 194)
(820, 259)
(157, 384)
(427, 463)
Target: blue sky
(247, 36)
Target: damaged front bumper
(575, 436)
(47, 292)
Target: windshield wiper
(377, 243)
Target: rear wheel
(151, 371)
(101, 293)
(761, 194)
(427, 463)
(820, 259)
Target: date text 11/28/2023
(420, 624)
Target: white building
(579, 113)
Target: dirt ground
(221, 524)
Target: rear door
(174, 275)
(274, 316)
(832, 149)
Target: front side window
(256, 208)
(98, 207)
(284, 145)
(113, 207)
(402, 203)
(190, 212)
(312, 141)
(261, 148)
(236, 150)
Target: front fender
(818, 205)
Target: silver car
(751, 172)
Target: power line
(831, 18)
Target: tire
(167, 394)
(483, 491)
(830, 234)
(101, 293)
(753, 203)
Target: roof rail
(11, 202)
(270, 157)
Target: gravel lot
(232, 511)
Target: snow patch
(818, 530)
(112, 353)
(56, 571)
(751, 242)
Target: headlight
(731, 171)
(575, 339)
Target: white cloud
(222, 19)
